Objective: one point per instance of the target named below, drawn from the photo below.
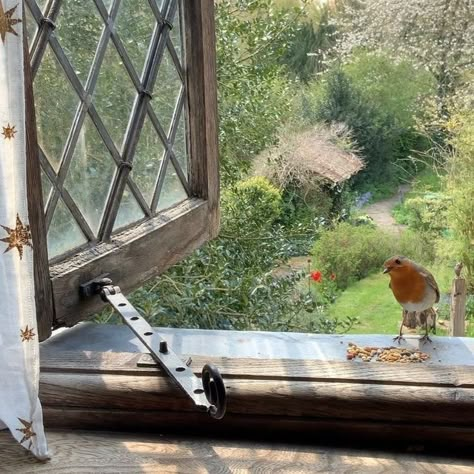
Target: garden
(296, 251)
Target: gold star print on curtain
(20, 408)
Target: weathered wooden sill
(429, 404)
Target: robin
(413, 286)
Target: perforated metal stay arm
(208, 393)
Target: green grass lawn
(372, 301)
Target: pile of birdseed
(385, 354)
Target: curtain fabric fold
(20, 408)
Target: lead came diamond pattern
(92, 114)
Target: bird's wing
(429, 279)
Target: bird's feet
(398, 339)
(424, 339)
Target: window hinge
(208, 393)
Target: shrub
(250, 205)
(351, 252)
(425, 213)
(417, 246)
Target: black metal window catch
(208, 393)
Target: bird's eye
(397, 261)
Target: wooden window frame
(142, 251)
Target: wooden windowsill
(107, 452)
(286, 384)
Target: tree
(309, 51)
(436, 34)
(254, 91)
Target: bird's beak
(386, 270)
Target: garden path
(381, 211)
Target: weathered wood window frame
(149, 247)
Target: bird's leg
(426, 337)
(400, 338)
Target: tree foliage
(460, 188)
(437, 34)
(254, 94)
(337, 100)
(309, 50)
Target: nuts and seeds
(385, 354)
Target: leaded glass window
(122, 97)
(111, 112)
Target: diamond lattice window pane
(46, 187)
(114, 95)
(135, 22)
(180, 145)
(31, 26)
(167, 90)
(172, 191)
(79, 26)
(90, 175)
(64, 233)
(147, 161)
(129, 211)
(56, 104)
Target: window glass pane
(147, 160)
(56, 104)
(134, 24)
(46, 187)
(90, 174)
(172, 191)
(64, 234)
(180, 147)
(129, 211)
(114, 95)
(167, 89)
(78, 29)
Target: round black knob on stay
(214, 388)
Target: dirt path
(381, 211)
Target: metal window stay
(207, 393)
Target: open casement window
(125, 104)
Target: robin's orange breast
(408, 286)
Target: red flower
(317, 276)
(332, 277)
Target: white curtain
(20, 408)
